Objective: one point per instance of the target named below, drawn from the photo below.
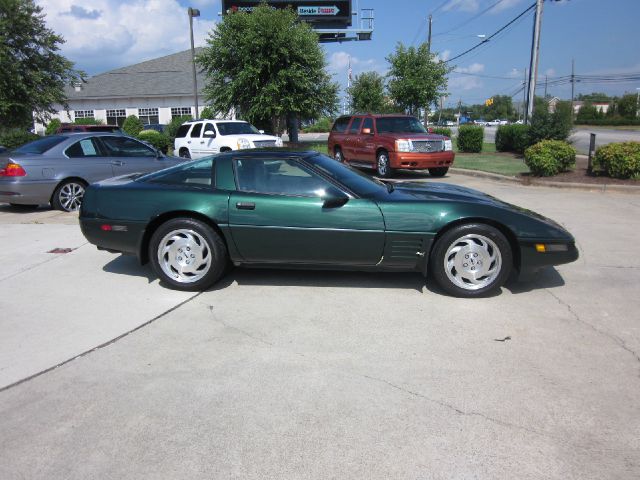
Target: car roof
(214, 120)
(92, 134)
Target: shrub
(16, 137)
(619, 160)
(322, 125)
(87, 121)
(551, 126)
(442, 131)
(172, 128)
(53, 126)
(550, 157)
(155, 138)
(512, 138)
(470, 138)
(132, 125)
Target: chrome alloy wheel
(383, 165)
(473, 262)
(338, 156)
(70, 196)
(184, 255)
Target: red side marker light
(106, 228)
(12, 170)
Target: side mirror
(367, 131)
(333, 198)
(209, 133)
(261, 131)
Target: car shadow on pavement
(547, 277)
(129, 265)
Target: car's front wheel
(187, 254)
(471, 260)
(383, 165)
(68, 195)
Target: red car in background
(388, 142)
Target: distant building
(155, 91)
(602, 107)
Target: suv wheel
(184, 153)
(382, 164)
(338, 155)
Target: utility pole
(533, 66)
(573, 83)
(429, 36)
(459, 108)
(524, 95)
(546, 81)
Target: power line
(478, 15)
(494, 34)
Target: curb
(633, 189)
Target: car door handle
(118, 163)
(201, 142)
(246, 206)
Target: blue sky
(600, 35)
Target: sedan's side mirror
(333, 198)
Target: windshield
(237, 128)
(358, 182)
(41, 145)
(399, 125)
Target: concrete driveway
(284, 374)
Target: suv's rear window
(340, 125)
(41, 145)
(182, 131)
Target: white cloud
(473, 68)
(463, 5)
(504, 5)
(444, 56)
(338, 65)
(465, 83)
(122, 33)
(550, 72)
(514, 72)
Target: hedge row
(512, 138)
(470, 138)
(442, 131)
(611, 121)
(14, 138)
(619, 160)
(550, 157)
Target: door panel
(128, 155)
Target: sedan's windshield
(399, 125)
(237, 128)
(41, 145)
(358, 182)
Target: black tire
(383, 165)
(68, 195)
(181, 238)
(438, 171)
(20, 206)
(337, 155)
(472, 250)
(184, 153)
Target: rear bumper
(26, 192)
(413, 160)
(124, 237)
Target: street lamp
(193, 12)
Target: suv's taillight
(12, 170)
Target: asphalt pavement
(292, 374)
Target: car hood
(412, 191)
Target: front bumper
(532, 260)
(414, 160)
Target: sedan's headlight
(243, 143)
(403, 145)
(279, 142)
(448, 146)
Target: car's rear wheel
(383, 165)
(438, 171)
(68, 195)
(184, 153)
(337, 155)
(471, 260)
(187, 254)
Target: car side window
(368, 123)
(276, 176)
(340, 125)
(209, 128)
(195, 132)
(355, 125)
(182, 131)
(126, 147)
(87, 147)
(195, 174)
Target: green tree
(207, 112)
(268, 66)
(501, 108)
(627, 106)
(551, 126)
(132, 125)
(367, 93)
(53, 126)
(32, 74)
(416, 77)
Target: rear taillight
(12, 170)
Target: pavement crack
(619, 341)
(239, 330)
(102, 345)
(54, 256)
(459, 411)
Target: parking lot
(293, 374)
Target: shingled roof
(161, 77)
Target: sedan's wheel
(68, 196)
(382, 165)
(338, 155)
(184, 153)
(438, 171)
(471, 260)
(187, 254)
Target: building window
(116, 117)
(180, 111)
(83, 114)
(148, 115)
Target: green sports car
(280, 208)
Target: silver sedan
(56, 169)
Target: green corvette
(279, 208)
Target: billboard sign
(319, 13)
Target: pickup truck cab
(389, 142)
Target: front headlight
(448, 146)
(403, 145)
(279, 142)
(243, 143)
